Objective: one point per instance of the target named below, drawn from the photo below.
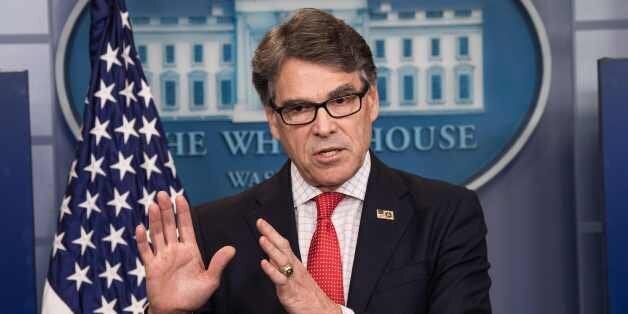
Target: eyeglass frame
(317, 105)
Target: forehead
(298, 79)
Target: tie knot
(326, 203)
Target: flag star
(148, 129)
(85, 240)
(65, 208)
(104, 93)
(100, 130)
(136, 307)
(126, 51)
(115, 237)
(127, 92)
(127, 128)
(111, 57)
(119, 201)
(94, 167)
(79, 276)
(106, 307)
(125, 20)
(111, 273)
(173, 197)
(72, 172)
(123, 165)
(57, 244)
(147, 199)
(149, 165)
(170, 164)
(146, 93)
(138, 272)
(90, 203)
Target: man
(335, 230)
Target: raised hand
(176, 278)
(298, 293)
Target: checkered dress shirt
(346, 216)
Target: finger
(167, 217)
(156, 228)
(280, 242)
(186, 228)
(275, 276)
(146, 254)
(219, 261)
(276, 257)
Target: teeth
(329, 152)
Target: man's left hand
(298, 293)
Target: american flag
(122, 161)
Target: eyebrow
(339, 91)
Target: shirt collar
(355, 187)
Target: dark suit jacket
(430, 259)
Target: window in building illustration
(225, 93)
(380, 49)
(197, 20)
(378, 16)
(227, 53)
(197, 53)
(197, 85)
(169, 55)
(434, 14)
(406, 15)
(408, 88)
(198, 93)
(226, 89)
(436, 88)
(169, 91)
(383, 78)
(169, 20)
(142, 54)
(407, 48)
(408, 85)
(462, 13)
(463, 47)
(464, 84)
(140, 20)
(435, 48)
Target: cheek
(364, 133)
(295, 144)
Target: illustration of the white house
(197, 58)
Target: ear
(273, 121)
(372, 99)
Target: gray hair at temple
(311, 35)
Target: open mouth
(328, 152)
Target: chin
(332, 178)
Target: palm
(176, 277)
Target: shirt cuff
(346, 310)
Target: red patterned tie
(323, 261)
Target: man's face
(328, 151)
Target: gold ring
(286, 270)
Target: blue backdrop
(614, 139)
(17, 265)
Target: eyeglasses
(305, 112)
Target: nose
(324, 124)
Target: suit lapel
(377, 237)
(275, 205)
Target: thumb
(219, 261)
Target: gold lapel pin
(385, 214)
